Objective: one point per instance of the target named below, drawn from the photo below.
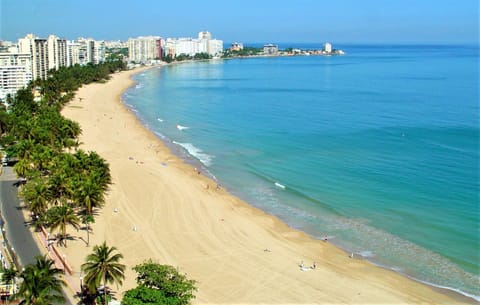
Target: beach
(161, 208)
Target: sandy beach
(158, 207)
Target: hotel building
(15, 72)
(144, 49)
(46, 54)
(191, 46)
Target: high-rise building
(15, 72)
(46, 54)
(99, 51)
(84, 51)
(144, 49)
(57, 52)
(191, 46)
(37, 48)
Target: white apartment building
(15, 72)
(99, 51)
(144, 49)
(191, 46)
(57, 52)
(37, 48)
(76, 53)
(46, 54)
(94, 50)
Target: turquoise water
(377, 149)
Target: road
(16, 229)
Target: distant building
(270, 49)
(116, 44)
(145, 49)
(191, 46)
(327, 47)
(236, 46)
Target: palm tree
(87, 194)
(102, 265)
(59, 217)
(40, 283)
(37, 195)
(24, 168)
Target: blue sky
(339, 21)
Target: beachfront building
(37, 48)
(15, 72)
(85, 50)
(191, 46)
(76, 53)
(46, 54)
(270, 49)
(144, 49)
(57, 52)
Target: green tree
(24, 168)
(167, 279)
(103, 266)
(36, 195)
(40, 284)
(142, 295)
(59, 217)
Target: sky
(259, 21)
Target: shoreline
(244, 224)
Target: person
(314, 265)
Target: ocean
(377, 150)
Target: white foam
(197, 153)
(180, 127)
(366, 253)
(160, 120)
(280, 185)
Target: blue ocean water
(377, 149)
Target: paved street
(16, 230)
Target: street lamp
(81, 283)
